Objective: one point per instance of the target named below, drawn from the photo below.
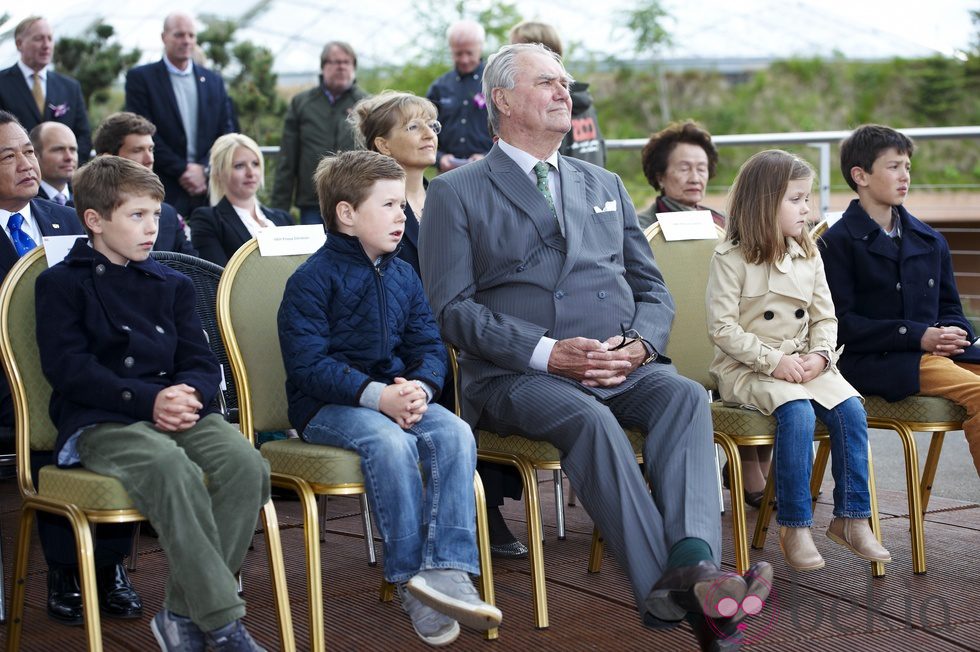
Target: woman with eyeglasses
(404, 127)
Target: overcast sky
(383, 31)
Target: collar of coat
(350, 247)
(917, 238)
(82, 254)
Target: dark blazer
(499, 274)
(885, 298)
(150, 94)
(170, 234)
(41, 194)
(51, 219)
(409, 250)
(64, 96)
(217, 232)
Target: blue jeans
(848, 426)
(430, 526)
(310, 216)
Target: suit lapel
(46, 224)
(516, 186)
(204, 108)
(230, 217)
(15, 81)
(573, 202)
(163, 81)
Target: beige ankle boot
(856, 534)
(798, 548)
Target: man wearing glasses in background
(316, 124)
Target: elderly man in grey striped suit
(537, 270)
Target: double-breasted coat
(757, 313)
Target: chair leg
(22, 558)
(571, 496)
(916, 529)
(368, 531)
(721, 493)
(86, 575)
(311, 546)
(322, 510)
(929, 472)
(3, 600)
(738, 506)
(277, 573)
(559, 505)
(135, 547)
(820, 458)
(765, 510)
(595, 551)
(877, 568)
(483, 547)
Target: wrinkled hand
(476, 157)
(789, 369)
(944, 340)
(446, 163)
(590, 362)
(193, 180)
(813, 366)
(176, 408)
(637, 351)
(404, 402)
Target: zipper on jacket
(379, 276)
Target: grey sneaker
(233, 637)
(451, 592)
(176, 633)
(432, 627)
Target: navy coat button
(769, 314)
(127, 395)
(521, 268)
(125, 328)
(902, 330)
(898, 286)
(128, 361)
(100, 269)
(930, 283)
(559, 294)
(799, 313)
(602, 294)
(159, 328)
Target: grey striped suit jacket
(499, 274)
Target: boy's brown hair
(109, 137)
(105, 182)
(863, 147)
(349, 176)
(753, 205)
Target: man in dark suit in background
(25, 221)
(536, 268)
(128, 135)
(190, 108)
(34, 93)
(57, 153)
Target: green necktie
(541, 171)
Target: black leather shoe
(717, 636)
(512, 550)
(725, 634)
(64, 596)
(699, 589)
(117, 597)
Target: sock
(688, 552)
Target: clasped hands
(798, 368)
(595, 363)
(194, 180)
(176, 408)
(945, 340)
(404, 402)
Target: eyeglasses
(629, 336)
(415, 125)
(339, 62)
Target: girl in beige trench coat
(772, 320)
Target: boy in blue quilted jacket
(364, 360)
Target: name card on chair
(56, 247)
(687, 225)
(291, 240)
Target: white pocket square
(609, 207)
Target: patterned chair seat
(87, 490)
(916, 409)
(537, 452)
(314, 463)
(744, 422)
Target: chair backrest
(30, 390)
(819, 229)
(249, 295)
(205, 275)
(684, 265)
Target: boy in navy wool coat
(899, 313)
(132, 384)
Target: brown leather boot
(798, 548)
(856, 534)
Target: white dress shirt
(253, 227)
(29, 226)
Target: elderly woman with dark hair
(678, 161)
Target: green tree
(95, 60)
(435, 17)
(650, 36)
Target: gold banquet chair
(905, 417)
(84, 498)
(529, 456)
(685, 265)
(249, 295)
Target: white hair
(461, 30)
(501, 72)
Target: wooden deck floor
(837, 608)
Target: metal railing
(821, 140)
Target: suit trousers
(639, 524)
(202, 490)
(960, 383)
